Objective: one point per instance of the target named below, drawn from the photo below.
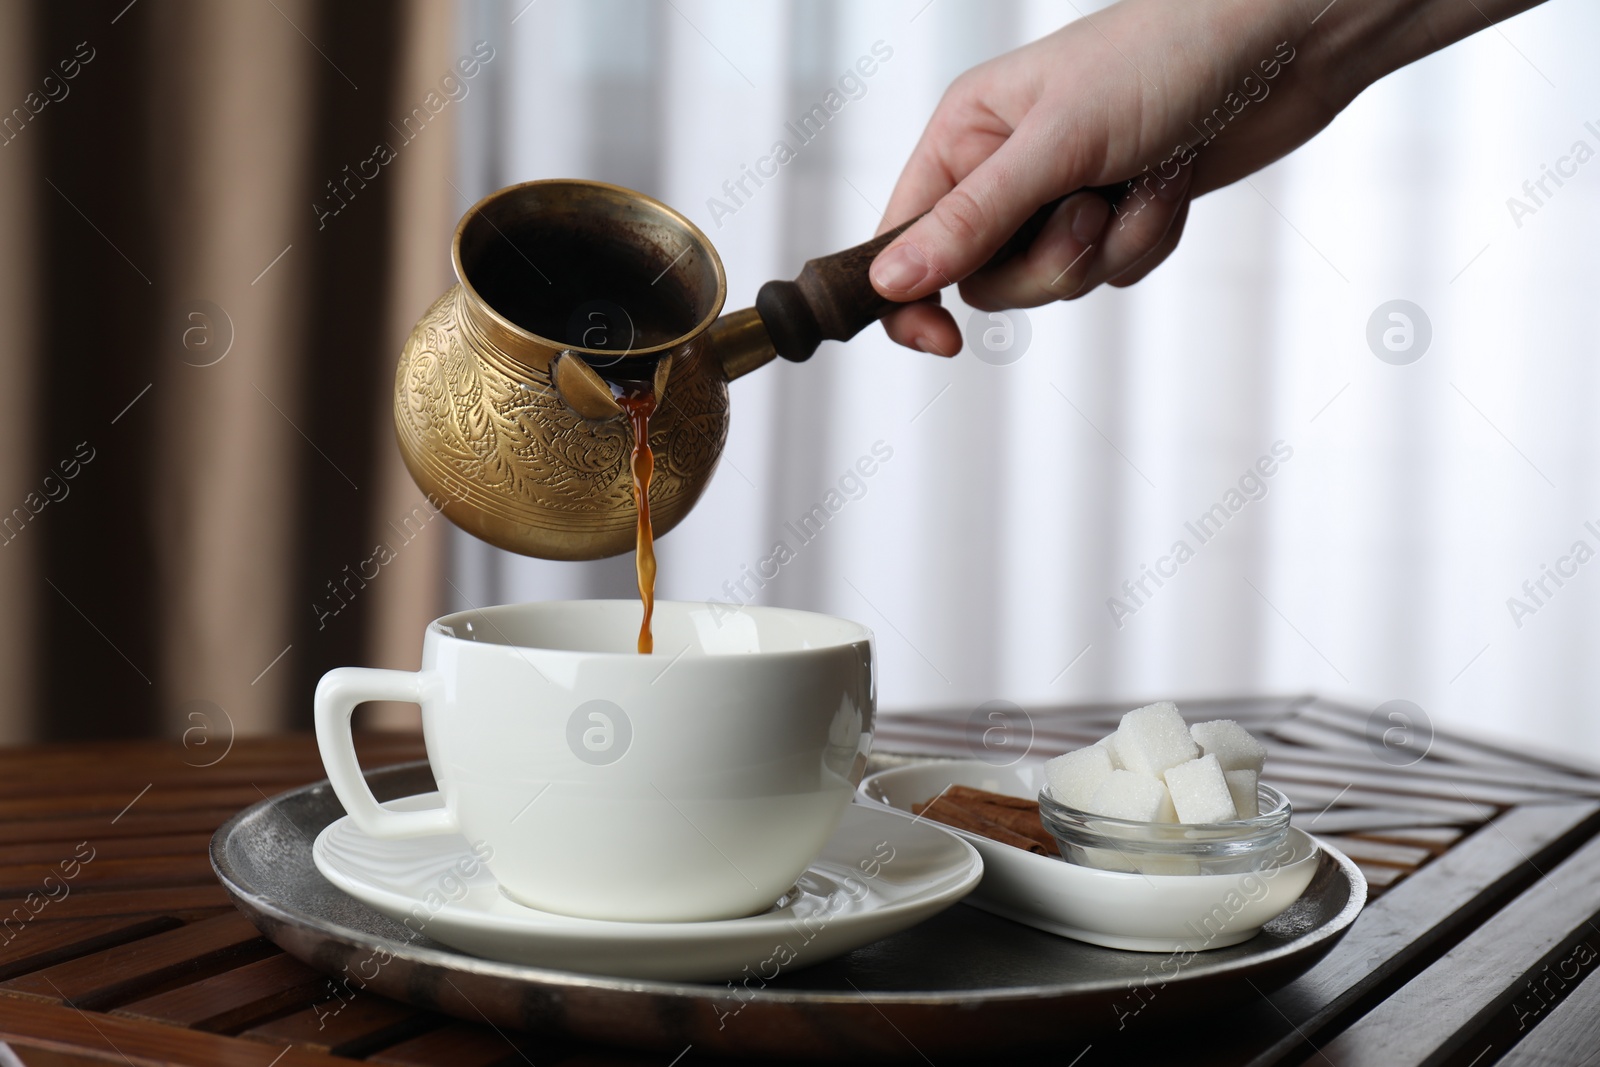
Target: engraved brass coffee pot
(568, 293)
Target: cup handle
(338, 694)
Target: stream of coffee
(640, 404)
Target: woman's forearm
(1353, 43)
(1339, 49)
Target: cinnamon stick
(1018, 815)
(992, 821)
(1018, 821)
(967, 795)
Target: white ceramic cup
(692, 784)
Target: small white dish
(877, 875)
(1138, 912)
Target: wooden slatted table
(1480, 945)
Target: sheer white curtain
(1408, 501)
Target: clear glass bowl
(1170, 848)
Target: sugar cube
(1242, 784)
(1199, 791)
(1126, 795)
(1152, 738)
(1075, 776)
(1231, 743)
(1111, 751)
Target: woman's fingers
(1156, 255)
(970, 222)
(1143, 219)
(925, 326)
(959, 136)
(1053, 267)
(1084, 242)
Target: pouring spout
(740, 342)
(581, 388)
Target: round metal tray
(963, 982)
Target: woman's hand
(1133, 111)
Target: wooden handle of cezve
(832, 299)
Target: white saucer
(1142, 913)
(878, 874)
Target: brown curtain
(196, 459)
